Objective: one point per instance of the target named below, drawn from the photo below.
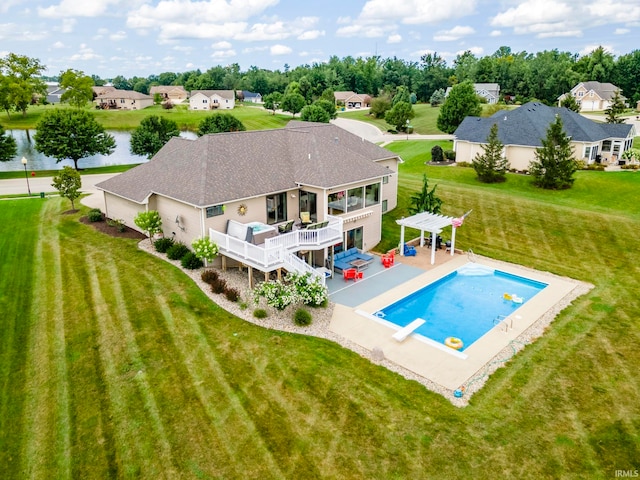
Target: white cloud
(395, 38)
(223, 53)
(533, 13)
(118, 36)
(311, 35)
(456, 33)
(224, 45)
(621, 31)
(477, 51)
(495, 33)
(7, 4)
(417, 11)
(67, 25)
(366, 31)
(280, 50)
(85, 8)
(588, 49)
(58, 44)
(84, 53)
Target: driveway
(372, 133)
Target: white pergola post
(401, 241)
(433, 247)
(453, 239)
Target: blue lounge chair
(409, 251)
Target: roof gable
(528, 125)
(223, 167)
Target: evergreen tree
(616, 109)
(492, 165)
(461, 102)
(426, 200)
(437, 155)
(570, 102)
(437, 97)
(219, 123)
(402, 95)
(314, 113)
(554, 165)
(400, 115)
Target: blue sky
(143, 37)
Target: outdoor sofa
(342, 260)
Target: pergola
(433, 223)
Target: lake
(38, 161)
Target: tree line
(522, 76)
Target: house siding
(122, 209)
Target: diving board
(404, 332)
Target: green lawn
(114, 365)
(423, 123)
(254, 118)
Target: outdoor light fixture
(26, 176)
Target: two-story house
(212, 100)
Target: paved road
(372, 133)
(15, 186)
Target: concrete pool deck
(443, 368)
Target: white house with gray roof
(240, 188)
(488, 91)
(523, 129)
(212, 100)
(593, 96)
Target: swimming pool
(464, 304)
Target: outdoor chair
(286, 227)
(305, 218)
(352, 274)
(409, 251)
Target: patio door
(309, 203)
(353, 238)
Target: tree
(149, 222)
(426, 200)
(151, 135)
(554, 165)
(71, 133)
(491, 166)
(272, 101)
(437, 98)
(219, 123)
(380, 106)
(437, 155)
(20, 82)
(616, 109)
(402, 95)
(400, 115)
(328, 106)
(68, 183)
(461, 102)
(314, 113)
(570, 102)
(78, 88)
(293, 103)
(8, 147)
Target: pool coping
(434, 366)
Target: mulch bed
(104, 227)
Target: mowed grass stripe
(46, 452)
(233, 430)
(18, 241)
(121, 350)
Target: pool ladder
(503, 320)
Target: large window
(606, 146)
(308, 203)
(276, 208)
(337, 203)
(355, 199)
(372, 194)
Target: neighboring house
(174, 93)
(247, 96)
(239, 188)
(489, 91)
(593, 96)
(352, 100)
(99, 91)
(523, 129)
(212, 100)
(54, 92)
(123, 100)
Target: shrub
(209, 276)
(219, 285)
(260, 313)
(117, 223)
(309, 290)
(278, 295)
(450, 155)
(302, 318)
(190, 261)
(162, 244)
(177, 251)
(94, 215)
(436, 154)
(232, 294)
(204, 248)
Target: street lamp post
(26, 176)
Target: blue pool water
(463, 304)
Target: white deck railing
(278, 251)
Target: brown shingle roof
(130, 94)
(223, 167)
